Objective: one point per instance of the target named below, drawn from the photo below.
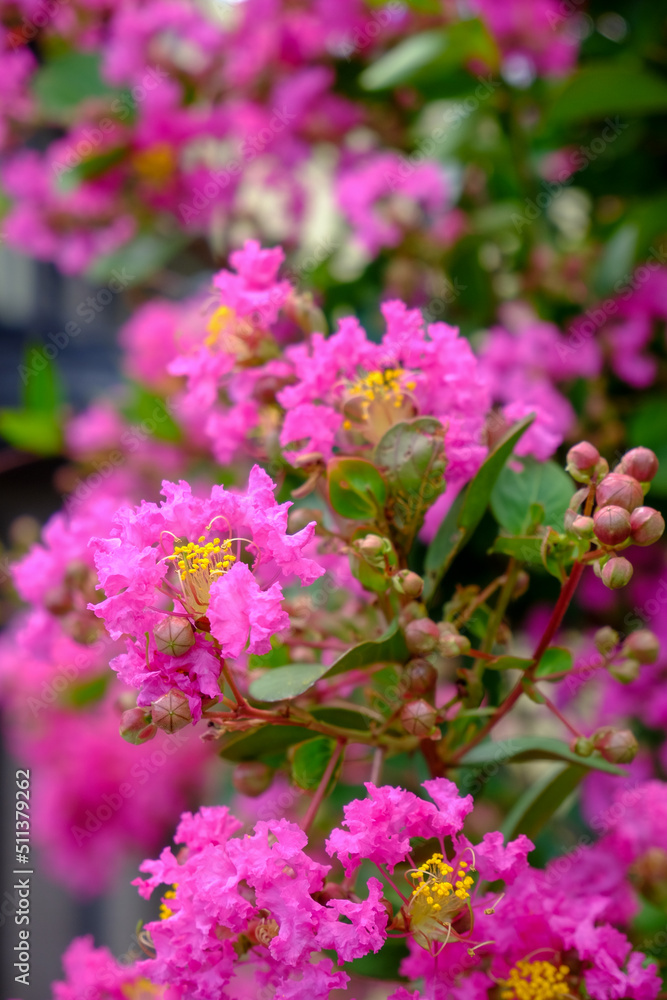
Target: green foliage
(36, 425)
(555, 660)
(356, 489)
(533, 810)
(465, 514)
(283, 683)
(310, 760)
(525, 748)
(67, 79)
(543, 483)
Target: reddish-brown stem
(316, 801)
(391, 882)
(552, 708)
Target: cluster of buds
(639, 648)
(424, 636)
(620, 518)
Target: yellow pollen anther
(536, 981)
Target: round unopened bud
(408, 583)
(616, 573)
(371, 546)
(606, 639)
(581, 461)
(618, 746)
(174, 635)
(419, 677)
(581, 746)
(421, 636)
(620, 491)
(418, 718)
(643, 645)
(171, 712)
(611, 525)
(626, 670)
(136, 727)
(522, 584)
(640, 463)
(252, 777)
(583, 526)
(647, 525)
(452, 643)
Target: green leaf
(468, 510)
(541, 800)
(508, 663)
(412, 458)
(555, 660)
(80, 695)
(390, 648)
(259, 743)
(67, 80)
(609, 88)
(144, 406)
(91, 167)
(283, 683)
(524, 548)
(523, 748)
(538, 482)
(618, 256)
(429, 56)
(345, 718)
(139, 259)
(42, 391)
(356, 489)
(309, 761)
(32, 431)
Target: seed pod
(620, 491)
(618, 746)
(643, 645)
(171, 712)
(419, 677)
(611, 525)
(616, 573)
(582, 459)
(421, 636)
(647, 525)
(581, 746)
(252, 777)
(174, 635)
(136, 727)
(640, 463)
(418, 718)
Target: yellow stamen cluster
(155, 164)
(219, 322)
(165, 912)
(381, 384)
(199, 564)
(536, 981)
(435, 885)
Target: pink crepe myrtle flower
(380, 829)
(256, 897)
(94, 974)
(347, 386)
(532, 33)
(189, 552)
(383, 196)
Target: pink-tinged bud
(136, 727)
(174, 635)
(640, 463)
(582, 746)
(616, 573)
(606, 639)
(618, 746)
(171, 712)
(252, 777)
(611, 525)
(452, 643)
(522, 584)
(418, 718)
(583, 527)
(647, 525)
(643, 645)
(372, 546)
(582, 459)
(408, 583)
(626, 670)
(620, 491)
(421, 636)
(419, 677)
